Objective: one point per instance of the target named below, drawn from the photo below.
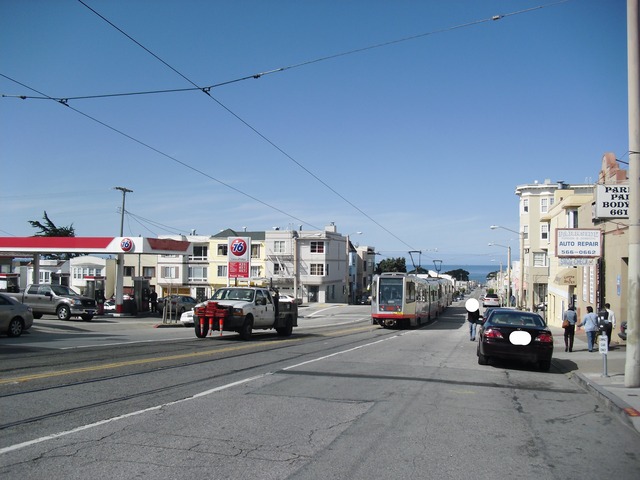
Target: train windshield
(390, 291)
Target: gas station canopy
(104, 245)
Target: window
(255, 251)
(45, 276)
(255, 272)
(222, 270)
(544, 232)
(148, 272)
(278, 269)
(197, 274)
(539, 259)
(222, 249)
(279, 246)
(525, 205)
(572, 218)
(317, 247)
(525, 232)
(129, 271)
(544, 205)
(169, 272)
(199, 252)
(317, 269)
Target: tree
(420, 271)
(459, 274)
(49, 229)
(392, 265)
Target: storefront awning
(567, 276)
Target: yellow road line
(142, 361)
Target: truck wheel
(287, 330)
(63, 312)
(200, 333)
(247, 327)
(86, 318)
(16, 326)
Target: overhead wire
(166, 155)
(251, 127)
(206, 90)
(259, 75)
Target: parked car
(187, 318)
(515, 335)
(109, 305)
(15, 317)
(178, 304)
(623, 331)
(289, 298)
(491, 300)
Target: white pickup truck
(58, 300)
(242, 310)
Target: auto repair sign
(238, 257)
(578, 242)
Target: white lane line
(18, 446)
(35, 441)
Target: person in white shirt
(610, 322)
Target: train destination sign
(578, 242)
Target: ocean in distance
(476, 272)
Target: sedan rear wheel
(544, 365)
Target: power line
(258, 75)
(253, 129)
(170, 157)
(206, 90)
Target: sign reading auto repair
(578, 242)
(238, 257)
(612, 201)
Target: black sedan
(515, 335)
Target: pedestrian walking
(473, 316)
(153, 300)
(590, 324)
(610, 322)
(569, 320)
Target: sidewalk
(587, 370)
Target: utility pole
(124, 194)
(632, 362)
(120, 261)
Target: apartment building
(546, 209)
(536, 200)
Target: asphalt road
(338, 399)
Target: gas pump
(95, 290)
(141, 292)
(9, 282)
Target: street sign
(603, 344)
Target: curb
(616, 405)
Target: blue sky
(419, 144)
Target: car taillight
(544, 338)
(492, 333)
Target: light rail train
(406, 300)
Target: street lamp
(508, 269)
(521, 235)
